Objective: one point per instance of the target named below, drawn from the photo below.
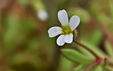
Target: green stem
(85, 47)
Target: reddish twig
(105, 32)
(98, 61)
(85, 47)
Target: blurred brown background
(24, 41)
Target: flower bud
(75, 33)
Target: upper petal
(63, 17)
(54, 31)
(74, 22)
(60, 40)
(68, 38)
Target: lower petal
(60, 40)
(54, 31)
(68, 38)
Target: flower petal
(63, 17)
(68, 38)
(54, 31)
(74, 22)
(60, 40)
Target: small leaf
(84, 51)
(23, 2)
(65, 65)
(109, 68)
(75, 56)
(80, 67)
(27, 26)
(108, 48)
(94, 49)
(96, 37)
(33, 45)
(98, 68)
(10, 34)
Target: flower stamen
(66, 30)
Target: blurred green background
(24, 41)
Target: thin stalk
(85, 47)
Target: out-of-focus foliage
(26, 46)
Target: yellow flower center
(66, 30)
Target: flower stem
(85, 47)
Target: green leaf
(27, 26)
(108, 48)
(109, 68)
(98, 68)
(10, 34)
(96, 37)
(65, 65)
(38, 5)
(94, 49)
(80, 67)
(75, 56)
(84, 51)
(23, 2)
(33, 45)
(111, 12)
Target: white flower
(66, 30)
